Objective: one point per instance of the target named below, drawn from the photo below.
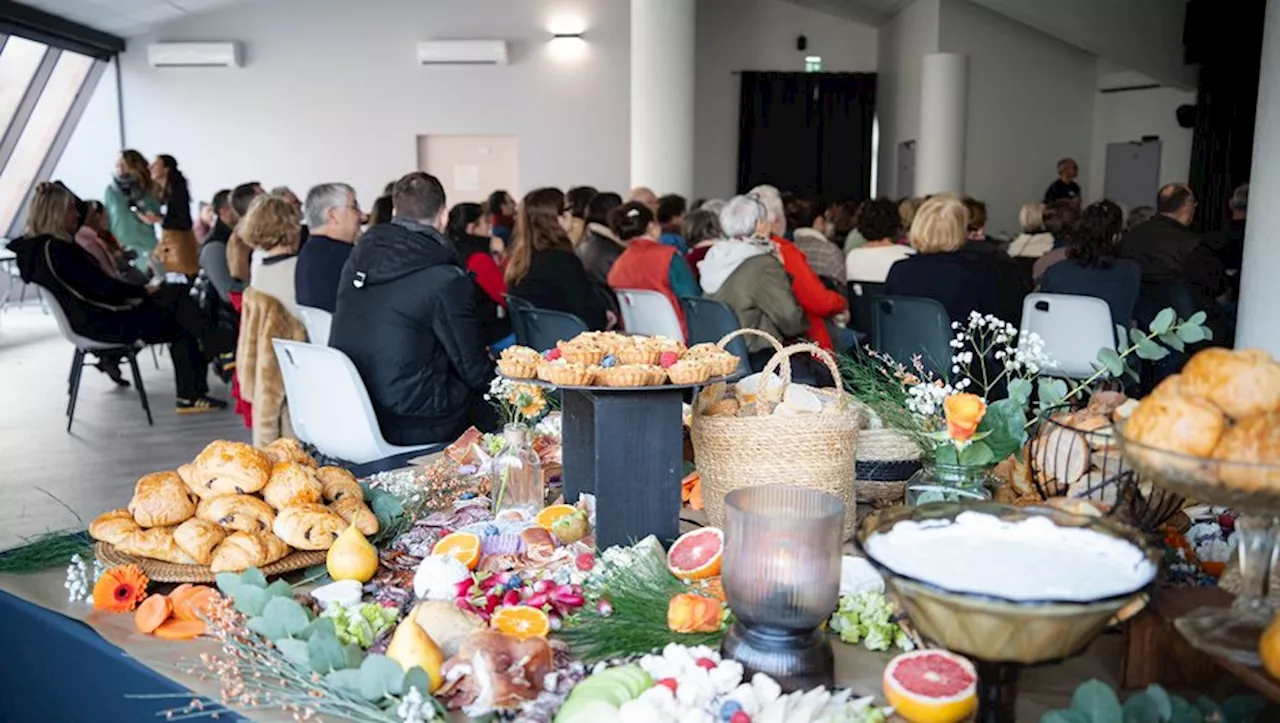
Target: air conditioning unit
(194, 55)
(462, 52)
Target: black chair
(515, 309)
(907, 326)
(541, 328)
(709, 321)
(862, 297)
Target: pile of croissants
(235, 507)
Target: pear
(411, 647)
(352, 557)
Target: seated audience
(333, 218)
(745, 272)
(241, 259)
(271, 226)
(701, 231)
(290, 197)
(906, 215)
(88, 239)
(178, 249)
(102, 307)
(1011, 288)
(542, 267)
(1138, 216)
(96, 220)
(578, 198)
(1228, 244)
(645, 195)
(1065, 187)
(1170, 253)
(713, 205)
(468, 228)
(842, 224)
(203, 222)
(407, 319)
(942, 269)
(1061, 219)
(1091, 267)
(213, 254)
(819, 302)
(670, 213)
(502, 215)
(600, 246)
(132, 208)
(880, 224)
(381, 211)
(648, 264)
(810, 236)
(1034, 241)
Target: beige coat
(263, 318)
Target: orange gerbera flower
(120, 589)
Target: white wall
(87, 161)
(904, 41)
(1030, 103)
(737, 35)
(1129, 115)
(332, 91)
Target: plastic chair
(515, 307)
(1073, 328)
(541, 328)
(862, 296)
(906, 326)
(648, 312)
(709, 321)
(329, 406)
(318, 322)
(86, 346)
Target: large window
(42, 93)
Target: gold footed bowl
(1001, 635)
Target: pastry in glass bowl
(1254, 441)
(1178, 423)
(1242, 383)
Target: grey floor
(45, 470)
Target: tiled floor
(44, 470)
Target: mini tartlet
(565, 373)
(630, 375)
(689, 371)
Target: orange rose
(964, 413)
(692, 613)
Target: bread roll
(156, 543)
(113, 526)
(1242, 383)
(1177, 423)
(1255, 440)
(339, 483)
(244, 513)
(287, 449)
(291, 484)
(230, 468)
(198, 538)
(357, 513)
(308, 527)
(160, 499)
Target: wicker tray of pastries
(607, 360)
(234, 507)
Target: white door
(471, 167)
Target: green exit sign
(813, 64)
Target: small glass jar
(937, 482)
(515, 477)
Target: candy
(667, 358)
(608, 361)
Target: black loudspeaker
(1186, 116)
(802, 43)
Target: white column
(944, 107)
(1259, 325)
(662, 72)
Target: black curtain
(809, 133)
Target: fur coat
(263, 318)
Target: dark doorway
(809, 133)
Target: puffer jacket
(406, 316)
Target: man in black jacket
(406, 316)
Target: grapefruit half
(931, 686)
(696, 555)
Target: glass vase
(938, 482)
(515, 478)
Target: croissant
(156, 543)
(243, 550)
(113, 526)
(308, 527)
(291, 484)
(198, 538)
(277, 549)
(357, 513)
(287, 449)
(160, 499)
(244, 513)
(229, 468)
(339, 483)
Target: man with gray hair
(333, 215)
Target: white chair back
(649, 313)
(317, 322)
(64, 326)
(1074, 328)
(329, 406)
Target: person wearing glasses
(333, 214)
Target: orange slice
(931, 686)
(521, 621)
(548, 516)
(696, 555)
(463, 546)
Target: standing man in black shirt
(1065, 186)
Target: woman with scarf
(177, 251)
(132, 208)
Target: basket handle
(777, 345)
(775, 362)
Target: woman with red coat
(648, 264)
(468, 227)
